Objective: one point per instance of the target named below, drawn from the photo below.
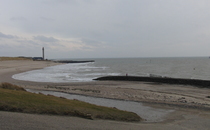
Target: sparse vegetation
(14, 58)
(16, 99)
(11, 87)
(87, 90)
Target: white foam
(65, 73)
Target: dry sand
(191, 104)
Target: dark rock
(193, 82)
(207, 96)
(73, 61)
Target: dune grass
(16, 99)
(14, 58)
(11, 87)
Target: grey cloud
(7, 36)
(91, 41)
(47, 19)
(29, 43)
(18, 19)
(61, 2)
(45, 39)
(117, 25)
(74, 1)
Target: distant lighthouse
(43, 53)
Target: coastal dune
(191, 104)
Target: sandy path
(158, 95)
(190, 120)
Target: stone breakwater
(166, 80)
(73, 61)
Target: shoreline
(156, 94)
(123, 89)
(147, 102)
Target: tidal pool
(150, 114)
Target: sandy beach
(191, 104)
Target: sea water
(188, 68)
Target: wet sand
(191, 104)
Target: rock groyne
(166, 80)
(73, 61)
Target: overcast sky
(105, 28)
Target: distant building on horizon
(39, 58)
(43, 53)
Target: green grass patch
(19, 100)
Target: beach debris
(207, 96)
